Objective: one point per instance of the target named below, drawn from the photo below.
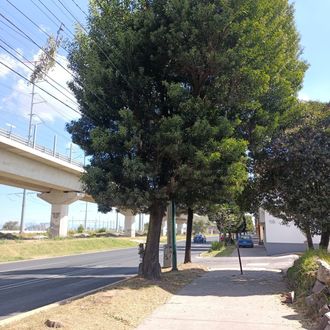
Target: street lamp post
(11, 126)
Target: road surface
(31, 284)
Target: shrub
(216, 246)
(80, 229)
(101, 230)
(302, 274)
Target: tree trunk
(309, 238)
(150, 266)
(325, 236)
(187, 255)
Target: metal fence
(43, 149)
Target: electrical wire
(79, 7)
(29, 38)
(35, 24)
(56, 98)
(45, 73)
(33, 71)
(97, 44)
(29, 19)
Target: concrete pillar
(60, 207)
(129, 225)
(141, 224)
(168, 246)
(164, 227)
(169, 224)
(179, 228)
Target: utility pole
(45, 63)
(31, 114)
(21, 227)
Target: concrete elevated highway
(54, 176)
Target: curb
(59, 303)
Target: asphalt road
(31, 284)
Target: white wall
(276, 232)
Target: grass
(120, 307)
(225, 251)
(23, 249)
(302, 274)
(12, 250)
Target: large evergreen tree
(170, 90)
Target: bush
(10, 225)
(216, 246)
(101, 230)
(302, 274)
(80, 229)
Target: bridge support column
(60, 207)
(179, 228)
(129, 224)
(164, 227)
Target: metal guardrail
(43, 149)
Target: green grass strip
(30, 249)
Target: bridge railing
(43, 149)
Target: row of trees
(177, 98)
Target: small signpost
(239, 258)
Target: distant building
(279, 238)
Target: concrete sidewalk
(224, 299)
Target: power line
(44, 12)
(35, 24)
(79, 7)
(40, 88)
(52, 57)
(63, 12)
(21, 34)
(97, 44)
(33, 70)
(49, 11)
(45, 73)
(29, 19)
(52, 129)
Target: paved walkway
(225, 299)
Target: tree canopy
(293, 172)
(173, 93)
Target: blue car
(199, 238)
(245, 241)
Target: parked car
(199, 238)
(245, 241)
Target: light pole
(11, 126)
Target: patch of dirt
(119, 307)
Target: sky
(34, 20)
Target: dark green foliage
(227, 217)
(216, 246)
(302, 275)
(80, 229)
(293, 171)
(249, 223)
(171, 94)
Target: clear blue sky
(312, 20)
